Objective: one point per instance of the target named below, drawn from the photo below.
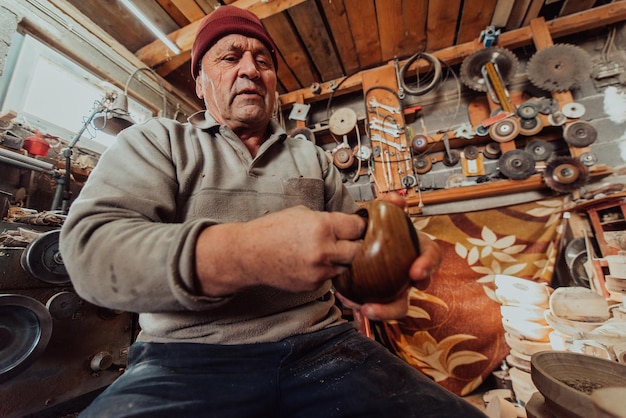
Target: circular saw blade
(471, 67)
(559, 67)
(565, 174)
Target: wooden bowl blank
(380, 271)
(567, 379)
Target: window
(54, 95)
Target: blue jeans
(336, 372)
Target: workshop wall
(453, 108)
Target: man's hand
(295, 249)
(420, 272)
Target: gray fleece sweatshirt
(128, 242)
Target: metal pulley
(527, 110)
(343, 121)
(408, 181)
(303, 133)
(573, 110)
(343, 158)
(504, 130)
(25, 329)
(471, 152)
(42, 259)
(517, 164)
(530, 127)
(545, 105)
(492, 150)
(580, 134)
(588, 159)
(362, 152)
(557, 118)
(63, 305)
(451, 158)
(419, 144)
(422, 164)
(539, 149)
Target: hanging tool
(489, 36)
(399, 80)
(495, 86)
(451, 157)
(375, 105)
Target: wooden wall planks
(476, 16)
(364, 27)
(339, 26)
(441, 24)
(310, 27)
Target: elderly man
(224, 234)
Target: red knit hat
(227, 20)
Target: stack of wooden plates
(616, 287)
(526, 330)
(574, 310)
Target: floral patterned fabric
(453, 332)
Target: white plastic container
(617, 265)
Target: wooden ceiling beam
(559, 27)
(156, 53)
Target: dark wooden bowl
(566, 380)
(380, 271)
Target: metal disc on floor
(579, 272)
(25, 329)
(572, 249)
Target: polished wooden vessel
(380, 271)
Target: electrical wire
(330, 98)
(608, 45)
(434, 80)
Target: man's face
(238, 82)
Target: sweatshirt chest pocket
(303, 191)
